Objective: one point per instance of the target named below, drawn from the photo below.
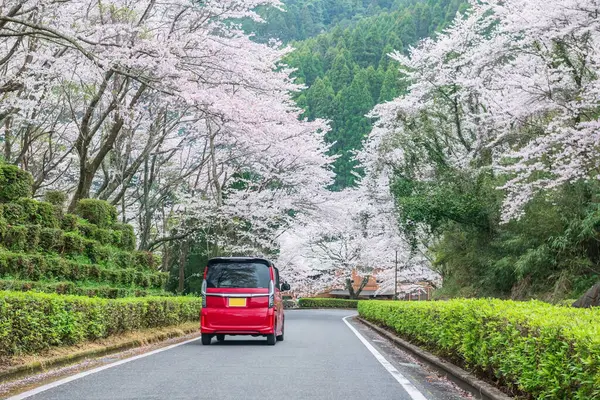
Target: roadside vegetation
(88, 253)
(326, 303)
(532, 350)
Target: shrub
(33, 322)
(47, 215)
(40, 266)
(548, 352)
(115, 238)
(87, 230)
(56, 198)
(96, 253)
(98, 212)
(15, 237)
(145, 260)
(14, 183)
(104, 236)
(326, 303)
(3, 223)
(127, 236)
(51, 240)
(124, 259)
(38, 213)
(73, 244)
(13, 214)
(290, 304)
(33, 237)
(69, 222)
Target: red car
(242, 296)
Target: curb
(464, 379)
(39, 366)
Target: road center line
(80, 375)
(412, 391)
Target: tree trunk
(182, 262)
(355, 293)
(591, 298)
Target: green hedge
(98, 212)
(33, 322)
(14, 183)
(38, 213)
(127, 237)
(326, 303)
(37, 267)
(56, 198)
(545, 351)
(107, 292)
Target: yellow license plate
(237, 302)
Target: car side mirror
(285, 286)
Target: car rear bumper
(248, 322)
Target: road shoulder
(431, 383)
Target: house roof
(362, 293)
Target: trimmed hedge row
(33, 322)
(33, 238)
(106, 292)
(14, 183)
(327, 303)
(26, 211)
(36, 267)
(544, 351)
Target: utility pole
(396, 278)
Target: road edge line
(37, 367)
(407, 385)
(83, 374)
(465, 379)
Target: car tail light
(271, 294)
(203, 293)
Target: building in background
(406, 291)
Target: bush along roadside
(532, 348)
(33, 322)
(326, 303)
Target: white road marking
(412, 391)
(80, 375)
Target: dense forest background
(341, 54)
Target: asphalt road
(321, 358)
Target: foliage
(349, 70)
(98, 212)
(13, 213)
(51, 240)
(40, 266)
(15, 237)
(204, 130)
(37, 212)
(493, 179)
(56, 198)
(32, 322)
(69, 222)
(14, 183)
(326, 303)
(73, 288)
(545, 351)
(126, 237)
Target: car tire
(206, 339)
(271, 340)
(280, 337)
(220, 338)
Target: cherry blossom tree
(514, 82)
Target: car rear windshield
(238, 275)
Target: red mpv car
(242, 296)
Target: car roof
(215, 260)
